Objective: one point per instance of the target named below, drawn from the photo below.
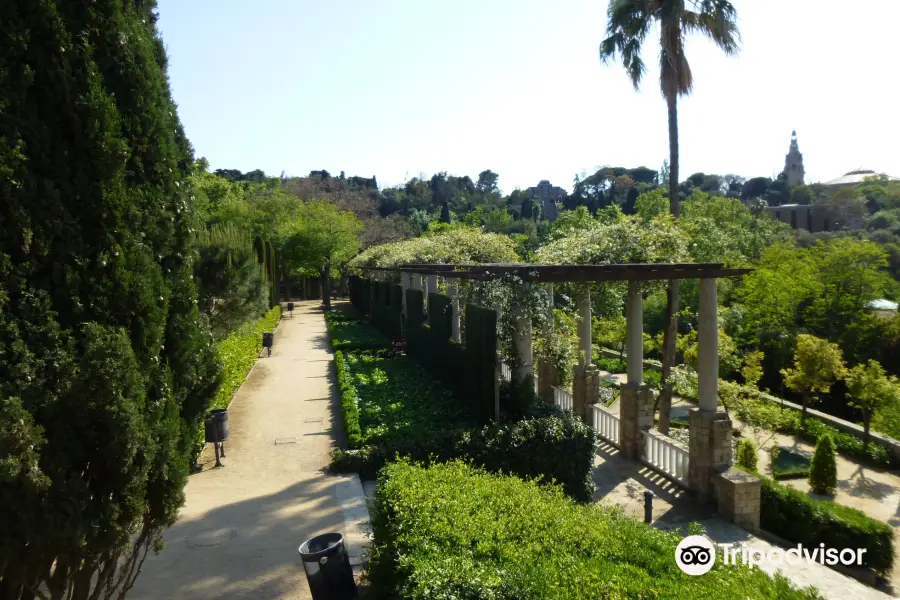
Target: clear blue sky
(397, 88)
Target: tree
(628, 23)
(650, 204)
(611, 332)
(487, 182)
(527, 209)
(845, 208)
(445, 213)
(746, 455)
(755, 187)
(823, 469)
(752, 370)
(871, 390)
(817, 365)
(729, 359)
(106, 364)
(322, 238)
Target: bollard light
(648, 506)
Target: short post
(648, 507)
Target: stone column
(522, 340)
(453, 292)
(432, 285)
(416, 281)
(584, 326)
(550, 308)
(634, 341)
(404, 283)
(708, 347)
(738, 496)
(710, 450)
(636, 399)
(635, 417)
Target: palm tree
(628, 23)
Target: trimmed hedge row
(349, 401)
(237, 353)
(794, 516)
(451, 531)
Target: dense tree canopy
(106, 363)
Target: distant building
(883, 307)
(548, 195)
(811, 217)
(853, 177)
(793, 164)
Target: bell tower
(793, 163)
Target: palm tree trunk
(674, 292)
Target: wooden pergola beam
(574, 273)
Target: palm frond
(628, 22)
(715, 19)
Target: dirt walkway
(241, 526)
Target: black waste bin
(327, 567)
(290, 307)
(217, 425)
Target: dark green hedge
(794, 516)
(454, 532)
(349, 409)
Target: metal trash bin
(327, 567)
(268, 341)
(217, 426)
(290, 307)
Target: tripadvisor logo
(696, 555)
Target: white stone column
(708, 348)
(432, 285)
(634, 342)
(584, 327)
(404, 284)
(416, 281)
(522, 340)
(453, 292)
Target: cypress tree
(106, 363)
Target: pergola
(706, 466)
(424, 276)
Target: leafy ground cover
(346, 334)
(451, 531)
(392, 407)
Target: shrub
(613, 365)
(794, 516)
(237, 353)
(652, 378)
(452, 531)
(823, 470)
(746, 455)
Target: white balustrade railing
(663, 454)
(563, 399)
(606, 424)
(505, 371)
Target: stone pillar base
(710, 450)
(738, 497)
(635, 417)
(585, 391)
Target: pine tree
(106, 363)
(823, 470)
(445, 213)
(746, 454)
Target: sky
(399, 88)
